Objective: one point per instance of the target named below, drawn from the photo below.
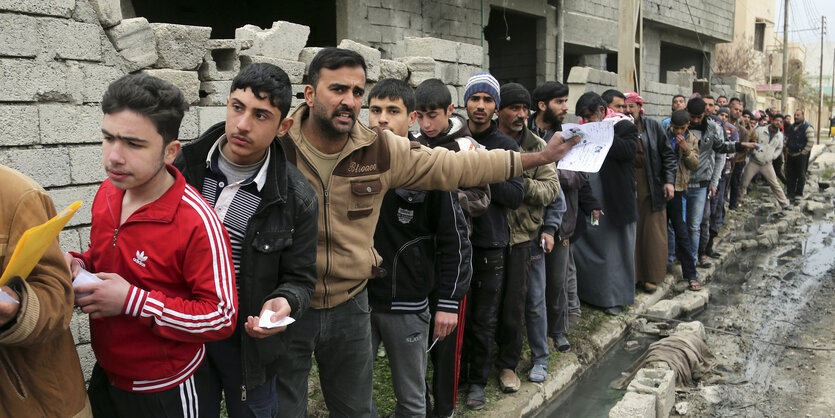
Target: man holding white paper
(40, 374)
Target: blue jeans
(535, 308)
(340, 338)
(696, 197)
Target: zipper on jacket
(327, 235)
(396, 258)
(115, 234)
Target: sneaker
(475, 397)
(787, 207)
(508, 381)
(538, 373)
(561, 343)
(713, 254)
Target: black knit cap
(696, 106)
(724, 110)
(680, 118)
(514, 93)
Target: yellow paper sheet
(34, 243)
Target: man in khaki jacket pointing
(351, 167)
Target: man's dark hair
(266, 81)
(696, 106)
(747, 112)
(589, 101)
(610, 95)
(801, 112)
(432, 94)
(722, 96)
(708, 97)
(734, 99)
(546, 92)
(677, 96)
(158, 100)
(393, 89)
(777, 115)
(333, 58)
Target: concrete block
(659, 383)
(96, 80)
(469, 54)
(69, 124)
(47, 166)
(690, 301)
(84, 12)
(80, 327)
(135, 41)
(298, 95)
(447, 72)
(60, 8)
(87, 359)
(109, 12)
(283, 40)
(294, 69)
(23, 80)
(18, 36)
(438, 49)
(86, 165)
(66, 39)
(634, 405)
(465, 72)
(210, 115)
(20, 125)
(214, 93)
(667, 309)
(64, 196)
(180, 47)
(393, 69)
(69, 240)
(187, 81)
(371, 56)
(84, 237)
(221, 61)
(769, 238)
(813, 207)
(190, 126)
(695, 327)
(307, 55)
(418, 64)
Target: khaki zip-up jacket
(542, 186)
(687, 162)
(371, 163)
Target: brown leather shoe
(508, 381)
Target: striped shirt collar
(260, 178)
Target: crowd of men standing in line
(460, 239)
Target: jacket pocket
(269, 242)
(363, 194)
(11, 375)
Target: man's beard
(551, 118)
(325, 120)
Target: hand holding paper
(266, 320)
(263, 326)
(9, 305)
(84, 277)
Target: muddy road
(783, 301)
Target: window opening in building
(512, 41)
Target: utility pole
(820, 80)
(785, 94)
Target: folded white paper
(84, 277)
(265, 322)
(4, 297)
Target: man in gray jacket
(770, 147)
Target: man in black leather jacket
(270, 212)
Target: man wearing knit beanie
(490, 237)
(523, 301)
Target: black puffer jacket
(279, 251)
(661, 167)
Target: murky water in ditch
(760, 292)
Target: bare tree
(737, 59)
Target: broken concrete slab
(667, 309)
(813, 207)
(283, 40)
(371, 56)
(307, 55)
(695, 327)
(393, 69)
(420, 69)
(221, 61)
(447, 72)
(180, 47)
(659, 383)
(214, 93)
(634, 405)
(692, 301)
(187, 81)
(135, 42)
(109, 12)
(294, 69)
(437, 49)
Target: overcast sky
(805, 15)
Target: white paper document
(265, 322)
(84, 277)
(4, 297)
(595, 140)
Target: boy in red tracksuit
(164, 258)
